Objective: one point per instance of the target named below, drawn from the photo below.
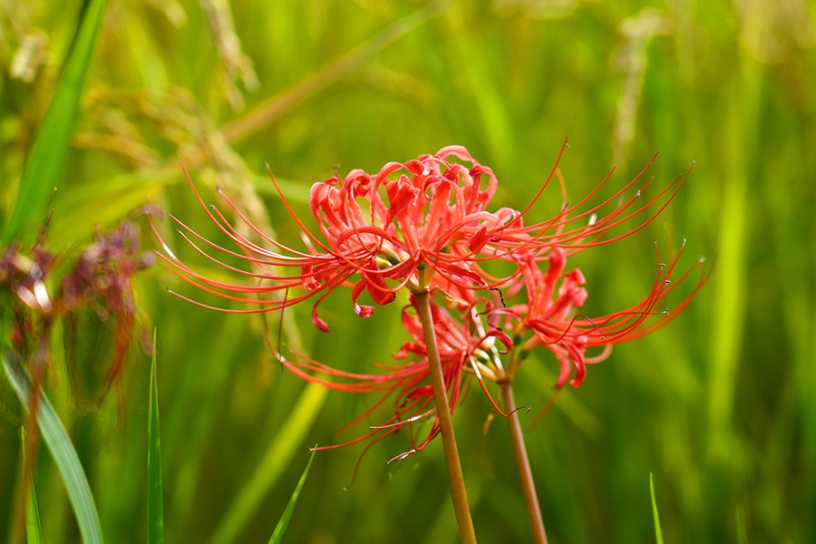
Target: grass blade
(658, 531)
(277, 536)
(274, 462)
(45, 160)
(33, 528)
(32, 513)
(155, 516)
(55, 437)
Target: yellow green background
(718, 406)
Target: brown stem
(523, 462)
(455, 476)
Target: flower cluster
(500, 287)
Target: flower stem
(456, 478)
(523, 462)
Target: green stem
(523, 462)
(455, 476)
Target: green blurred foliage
(718, 406)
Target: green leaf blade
(45, 160)
(64, 454)
(32, 513)
(155, 506)
(658, 530)
(272, 465)
(283, 523)
(33, 527)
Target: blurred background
(718, 406)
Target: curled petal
(357, 290)
(319, 323)
(377, 288)
(420, 392)
(402, 194)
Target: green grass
(43, 171)
(280, 528)
(155, 497)
(655, 513)
(33, 527)
(65, 456)
(718, 405)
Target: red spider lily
(380, 232)
(424, 224)
(384, 228)
(553, 321)
(407, 383)
(549, 318)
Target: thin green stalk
(155, 501)
(455, 476)
(523, 462)
(658, 530)
(32, 514)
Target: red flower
(424, 224)
(421, 213)
(378, 233)
(553, 319)
(407, 383)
